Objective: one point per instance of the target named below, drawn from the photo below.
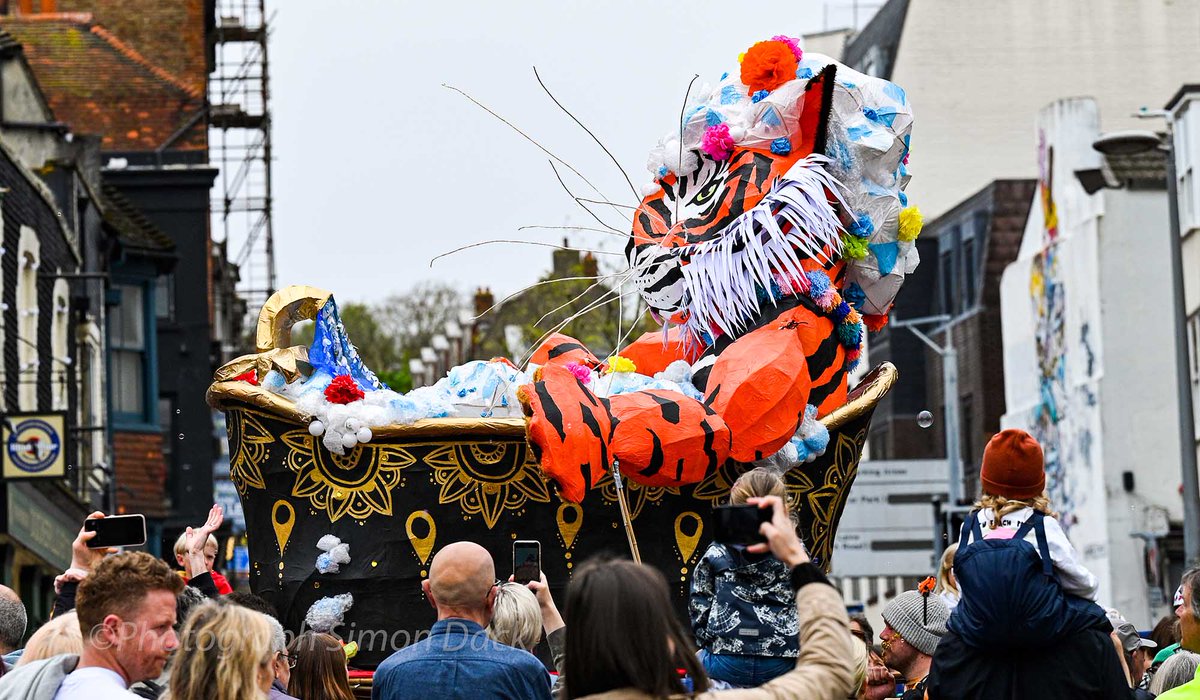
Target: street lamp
(949, 357)
(1132, 142)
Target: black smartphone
(527, 561)
(739, 524)
(116, 531)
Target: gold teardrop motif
(283, 528)
(422, 546)
(687, 543)
(568, 530)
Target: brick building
(113, 70)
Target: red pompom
(767, 65)
(248, 376)
(875, 322)
(343, 389)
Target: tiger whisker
(574, 228)
(606, 299)
(535, 284)
(589, 133)
(527, 137)
(505, 240)
(573, 196)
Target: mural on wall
(1048, 295)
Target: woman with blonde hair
(61, 635)
(947, 587)
(516, 617)
(320, 672)
(732, 583)
(224, 654)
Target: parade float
(774, 234)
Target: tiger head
(745, 201)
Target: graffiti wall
(1050, 305)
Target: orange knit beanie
(1013, 466)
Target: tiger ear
(814, 115)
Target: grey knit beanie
(920, 619)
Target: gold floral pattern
(359, 484)
(636, 494)
(826, 500)
(487, 479)
(248, 450)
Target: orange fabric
(760, 386)
(560, 349)
(1013, 466)
(651, 355)
(665, 439)
(570, 431)
(818, 335)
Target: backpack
(1011, 597)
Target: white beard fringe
(723, 275)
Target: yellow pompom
(911, 222)
(620, 364)
(741, 56)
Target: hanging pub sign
(33, 446)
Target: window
(127, 340)
(28, 262)
(968, 258)
(60, 360)
(946, 274)
(1187, 152)
(164, 298)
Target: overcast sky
(379, 168)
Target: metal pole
(1187, 425)
(950, 421)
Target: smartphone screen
(527, 561)
(116, 531)
(739, 524)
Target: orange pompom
(875, 322)
(926, 586)
(768, 64)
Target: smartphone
(739, 524)
(527, 561)
(116, 531)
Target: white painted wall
(1117, 357)
(978, 72)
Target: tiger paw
(570, 429)
(663, 438)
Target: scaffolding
(240, 145)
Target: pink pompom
(581, 372)
(717, 142)
(792, 44)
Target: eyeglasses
(291, 660)
(498, 583)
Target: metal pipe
(951, 419)
(1187, 425)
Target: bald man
(12, 621)
(458, 660)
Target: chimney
(484, 300)
(565, 261)
(590, 268)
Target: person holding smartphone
(742, 606)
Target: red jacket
(221, 582)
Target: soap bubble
(924, 419)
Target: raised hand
(82, 557)
(198, 537)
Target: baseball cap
(1128, 634)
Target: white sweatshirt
(1074, 577)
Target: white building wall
(978, 72)
(1107, 371)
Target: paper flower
(343, 389)
(582, 372)
(875, 322)
(620, 364)
(249, 376)
(717, 142)
(911, 223)
(793, 44)
(767, 65)
(781, 146)
(853, 247)
(862, 226)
